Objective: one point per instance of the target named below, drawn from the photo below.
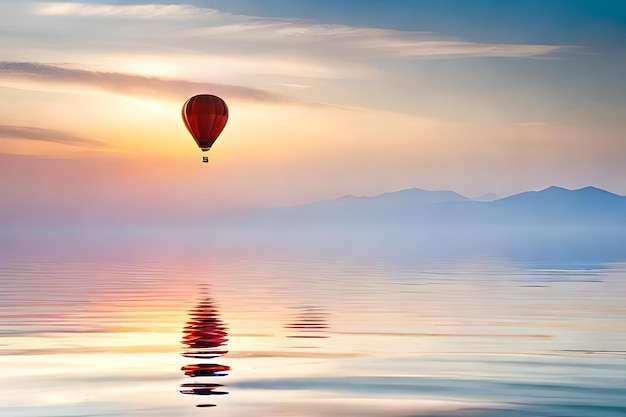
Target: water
(139, 332)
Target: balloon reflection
(205, 369)
(202, 389)
(309, 323)
(204, 337)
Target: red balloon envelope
(205, 116)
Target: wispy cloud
(48, 135)
(321, 38)
(414, 45)
(407, 44)
(143, 11)
(130, 84)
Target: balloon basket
(205, 159)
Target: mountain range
(553, 206)
(551, 227)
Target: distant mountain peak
(409, 197)
(584, 190)
(417, 191)
(553, 188)
(595, 190)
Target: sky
(326, 98)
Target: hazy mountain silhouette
(413, 196)
(554, 227)
(553, 206)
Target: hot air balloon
(205, 116)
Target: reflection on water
(204, 337)
(308, 323)
(397, 336)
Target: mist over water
(382, 324)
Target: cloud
(47, 135)
(131, 84)
(406, 44)
(336, 39)
(413, 45)
(144, 11)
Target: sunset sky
(326, 98)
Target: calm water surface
(145, 334)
